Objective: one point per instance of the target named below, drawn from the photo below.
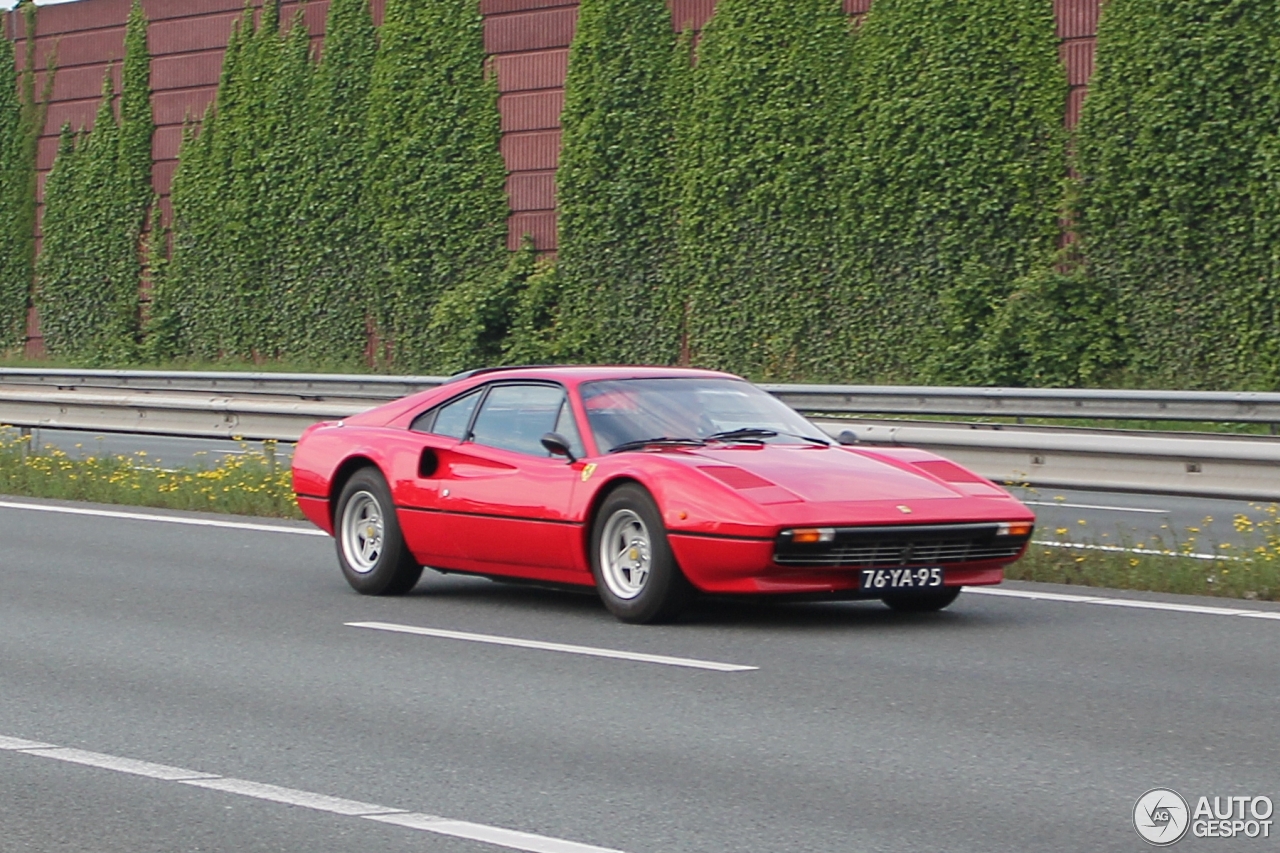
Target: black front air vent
(906, 545)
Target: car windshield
(625, 411)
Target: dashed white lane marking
(553, 647)
(131, 766)
(166, 519)
(291, 797)
(1093, 506)
(496, 835)
(1134, 604)
(486, 834)
(19, 743)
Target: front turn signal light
(1014, 528)
(808, 535)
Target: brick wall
(529, 40)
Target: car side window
(451, 419)
(516, 417)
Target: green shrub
(1176, 210)
(617, 211)
(536, 336)
(436, 178)
(959, 179)
(472, 320)
(1055, 329)
(762, 149)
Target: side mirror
(847, 437)
(557, 445)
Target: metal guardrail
(281, 406)
(305, 386)
(1208, 406)
(1246, 467)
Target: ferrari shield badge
(588, 471)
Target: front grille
(906, 545)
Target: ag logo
(1161, 817)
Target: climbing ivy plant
(328, 303)
(238, 200)
(762, 149)
(15, 272)
(22, 117)
(615, 190)
(958, 182)
(96, 202)
(436, 178)
(1177, 211)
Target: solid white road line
(1092, 506)
(553, 647)
(496, 835)
(167, 519)
(1080, 546)
(1131, 603)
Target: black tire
(658, 593)
(922, 602)
(373, 564)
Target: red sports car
(650, 484)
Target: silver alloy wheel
(362, 532)
(625, 554)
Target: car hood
(817, 475)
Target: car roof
(574, 374)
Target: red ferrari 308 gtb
(651, 484)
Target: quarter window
(451, 419)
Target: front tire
(371, 549)
(922, 602)
(635, 571)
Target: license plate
(878, 579)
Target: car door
(505, 499)
(416, 488)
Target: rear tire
(922, 602)
(635, 571)
(371, 549)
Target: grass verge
(1161, 565)
(252, 483)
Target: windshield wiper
(743, 434)
(760, 433)
(661, 441)
(824, 442)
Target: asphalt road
(1003, 724)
